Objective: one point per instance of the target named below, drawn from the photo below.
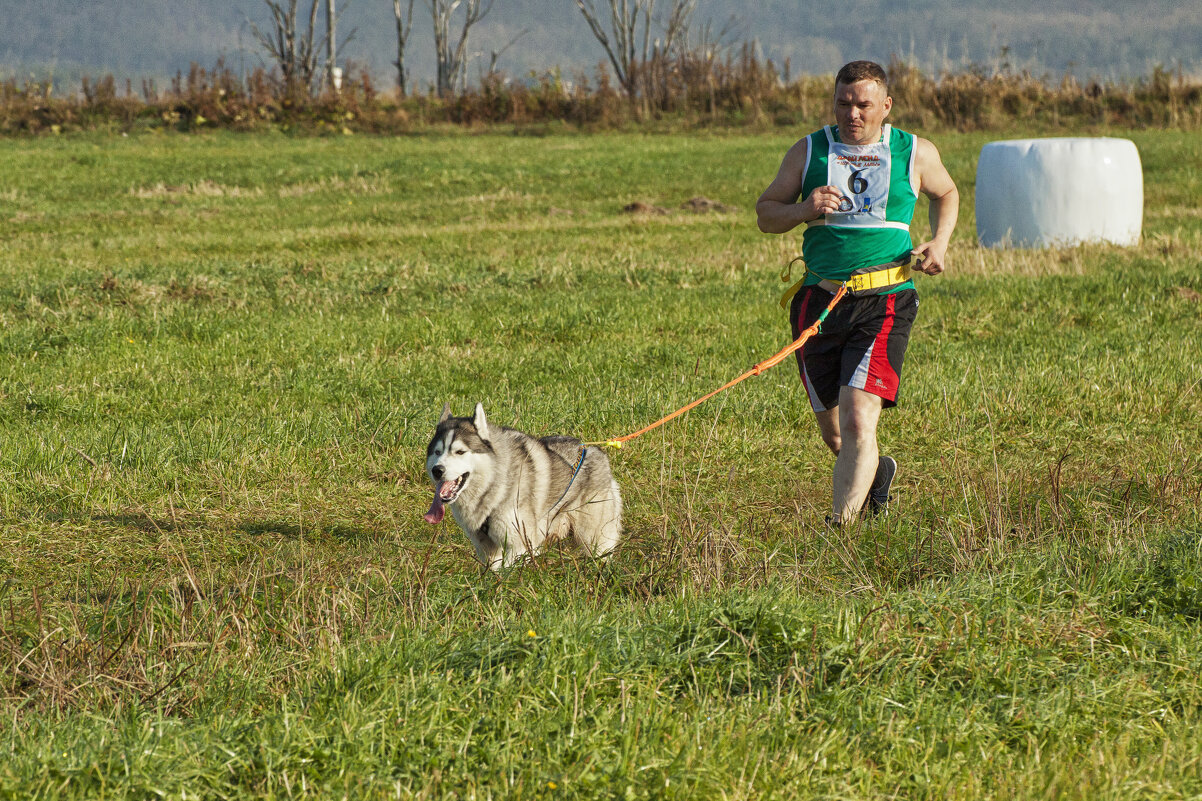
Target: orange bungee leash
(759, 368)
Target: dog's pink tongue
(437, 510)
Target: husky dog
(511, 493)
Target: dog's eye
(459, 451)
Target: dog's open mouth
(446, 492)
(449, 490)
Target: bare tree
(708, 44)
(294, 51)
(331, 45)
(496, 54)
(448, 55)
(627, 38)
(404, 26)
(676, 29)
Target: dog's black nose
(438, 471)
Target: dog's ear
(480, 422)
(446, 413)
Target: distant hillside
(155, 38)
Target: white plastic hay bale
(1049, 192)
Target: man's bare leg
(849, 430)
(828, 424)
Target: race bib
(861, 172)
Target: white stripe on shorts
(859, 379)
(815, 404)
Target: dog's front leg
(487, 551)
(521, 538)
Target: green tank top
(873, 225)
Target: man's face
(860, 111)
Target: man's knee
(859, 428)
(858, 417)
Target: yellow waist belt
(868, 281)
(891, 275)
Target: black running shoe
(878, 496)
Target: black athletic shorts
(861, 344)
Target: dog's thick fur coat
(512, 493)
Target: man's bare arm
(778, 211)
(936, 183)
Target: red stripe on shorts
(801, 311)
(882, 378)
(801, 326)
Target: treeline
(678, 91)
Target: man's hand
(822, 201)
(779, 209)
(929, 257)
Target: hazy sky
(155, 38)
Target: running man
(855, 185)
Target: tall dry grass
(730, 88)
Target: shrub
(689, 89)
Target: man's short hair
(856, 71)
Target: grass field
(224, 356)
